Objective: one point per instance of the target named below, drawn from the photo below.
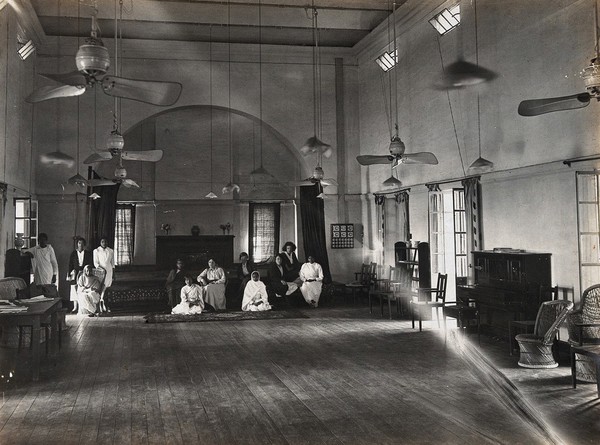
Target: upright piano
(507, 287)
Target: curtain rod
(448, 181)
(393, 192)
(573, 160)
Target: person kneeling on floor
(255, 295)
(192, 298)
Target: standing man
(104, 257)
(311, 275)
(43, 261)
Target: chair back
(550, 316)
(590, 304)
(548, 293)
(9, 287)
(373, 271)
(365, 275)
(442, 281)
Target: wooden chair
(362, 280)
(380, 285)
(388, 290)
(536, 349)
(439, 302)
(463, 312)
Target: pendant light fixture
(210, 195)
(260, 171)
(230, 186)
(57, 157)
(480, 164)
(314, 144)
(396, 144)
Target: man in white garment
(104, 257)
(43, 261)
(311, 274)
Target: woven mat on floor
(223, 316)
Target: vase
(195, 231)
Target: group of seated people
(285, 276)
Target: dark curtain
(103, 213)
(312, 214)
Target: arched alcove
(197, 157)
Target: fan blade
(130, 183)
(98, 157)
(101, 182)
(424, 157)
(535, 107)
(374, 159)
(329, 181)
(304, 183)
(74, 78)
(147, 155)
(148, 91)
(49, 92)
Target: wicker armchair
(584, 328)
(536, 348)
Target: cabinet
(194, 250)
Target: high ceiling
(283, 22)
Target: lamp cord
(211, 100)
(229, 90)
(260, 104)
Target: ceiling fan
(120, 178)
(92, 61)
(318, 177)
(591, 80)
(397, 155)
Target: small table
(33, 316)
(591, 351)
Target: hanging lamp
(480, 164)
(260, 171)
(210, 195)
(57, 157)
(314, 144)
(230, 186)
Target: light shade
(392, 182)
(57, 158)
(260, 171)
(211, 195)
(314, 145)
(321, 195)
(481, 164)
(78, 180)
(461, 74)
(94, 196)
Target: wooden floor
(337, 377)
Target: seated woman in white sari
(255, 295)
(88, 291)
(311, 274)
(192, 298)
(213, 278)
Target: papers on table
(36, 299)
(9, 307)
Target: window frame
(31, 221)
(276, 206)
(580, 248)
(122, 206)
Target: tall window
(436, 231)
(460, 235)
(264, 231)
(26, 221)
(588, 211)
(124, 234)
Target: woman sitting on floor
(192, 298)
(88, 292)
(255, 295)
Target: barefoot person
(43, 261)
(79, 258)
(104, 258)
(192, 300)
(88, 292)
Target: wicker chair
(584, 328)
(536, 348)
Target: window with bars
(264, 231)
(124, 234)
(588, 228)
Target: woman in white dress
(255, 295)
(213, 278)
(192, 298)
(104, 258)
(88, 291)
(311, 275)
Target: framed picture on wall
(342, 236)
